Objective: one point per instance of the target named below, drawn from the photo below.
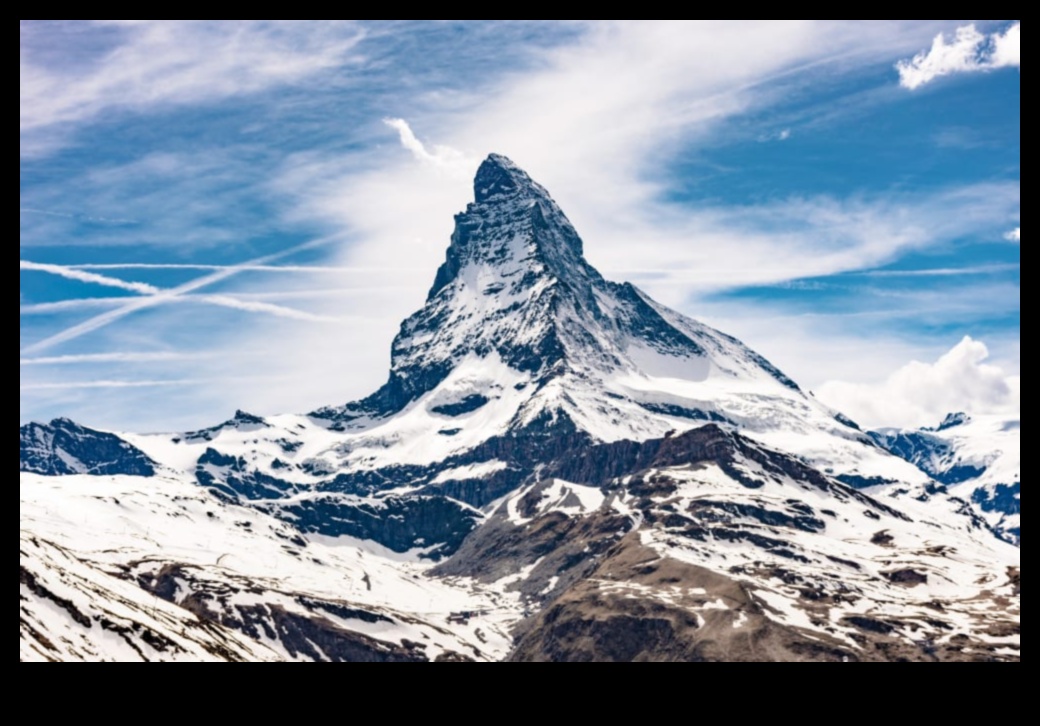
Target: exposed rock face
(65, 447)
(638, 606)
(675, 619)
(306, 627)
(712, 547)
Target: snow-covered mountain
(523, 470)
(978, 457)
(520, 334)
(522, 354)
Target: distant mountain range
(977, 457)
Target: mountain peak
(516, 307)
(952, 419)
(499, 176)
(514, 226)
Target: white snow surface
(991, 443)
(94, 531)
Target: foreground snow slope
(118, 539)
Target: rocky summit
(557, 468)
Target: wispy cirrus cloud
(308, 269)
(325, 294)
(182, 200)
(443, 157)
(71, 385)
(84, 217)
(969, 51)
(942, 271)
(71, 72)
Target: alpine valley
(558, 468)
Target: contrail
(115, 357)
(142, 303)
(71, 304)
(70, 273)
(112, 384)
(256, 306)
(241, 267)
(227, 301)
(252, 302)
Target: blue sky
(238, 215)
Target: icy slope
(71, 610)
(978, 457)
(158, 554)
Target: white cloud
(83, 217)
(186, 266)
(444, 157)
(968, 51)
(256, 306)
(921, 394)
(1014, 235)
(157, 63)
(76, 303)
(781, 135)
(65, 385)
(1007, 48)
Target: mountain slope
(70, 610)
(701, 546)
(978, 457)
(709, 546)
(166, 556)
